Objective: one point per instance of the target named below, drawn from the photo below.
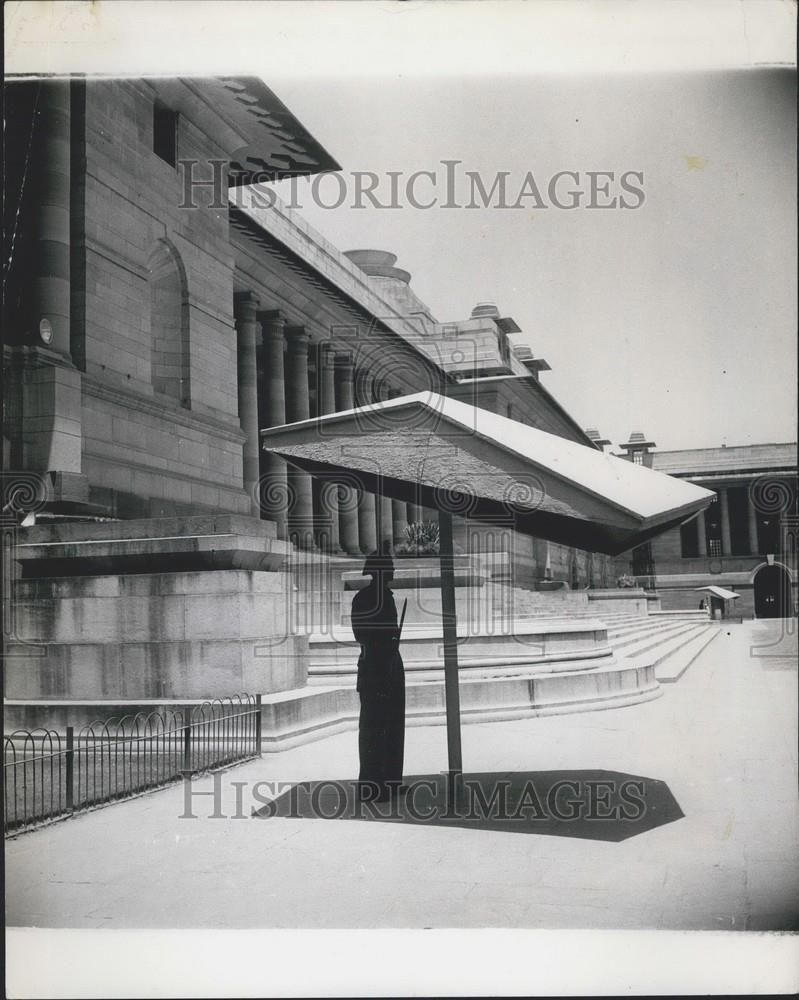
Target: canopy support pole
(450, 627)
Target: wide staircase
(668, 640)
(543, 662)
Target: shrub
(421, 539)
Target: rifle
(402, 619)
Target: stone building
(158, 312)
(745, 541)
(154, 324)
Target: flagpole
(450, 623)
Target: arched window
(169, 323)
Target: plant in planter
(625, 581)
(421, 539)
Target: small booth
(443, 454)
(719, 598)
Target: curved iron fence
(48, 775)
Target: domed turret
(378, 264)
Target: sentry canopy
(723, 593)
(445, 454)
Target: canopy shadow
(588, 804)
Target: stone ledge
(529, 626)
(167, 545)
(300, 716)
(623, 593)
(150, 527)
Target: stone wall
(144, 452)
(153, 636)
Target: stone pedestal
(211, 618)
(51, 425)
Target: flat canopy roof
(445, 454)
(727, 595)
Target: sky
(677, 318)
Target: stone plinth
(150, 610)
(632, 600)
(154, 635)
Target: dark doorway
(772, 593)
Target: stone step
(301, 715)
(431, 669)
(654, 652)
(621, 629)
(687, 614)
(639, 639)
(660, 651)
(655, 621)
(657, 654)
(295, 717)
(533, 648)
(671, 669)
(647, 642)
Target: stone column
(726, 540)
(49, 221)
(51, 415)
(754, 545)
(298, 407)
(701, 534)
(367, 508)
(460, 534)
(328, 492)
(399, 509)
(245, 306)
(273, 494)
(348, 502)
(782, 517)
(385, 504)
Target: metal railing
(47, 775)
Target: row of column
(726, 535)
(333, 517)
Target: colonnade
(333, 518)
(726, 534)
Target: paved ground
(723, 740)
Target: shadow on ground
(587, 804)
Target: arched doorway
(772, 593)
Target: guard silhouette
(381, 681)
